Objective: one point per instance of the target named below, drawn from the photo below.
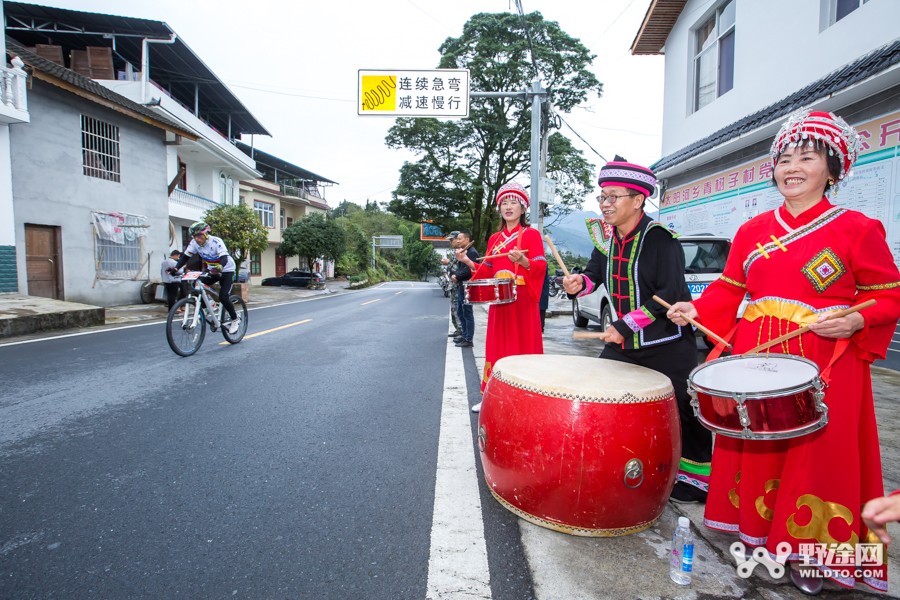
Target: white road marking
(457, 565)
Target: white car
(704, 261)
(596, 306)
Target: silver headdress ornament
(806, 125)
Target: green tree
(312, 237)
(240, 229)
(462, 164)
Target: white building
(145, 66)
(734, 69)
(13, 110)
(283, 193)
(88, 188)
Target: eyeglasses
(611, 199)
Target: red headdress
(805, 125)
(513, 190)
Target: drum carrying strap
(720, 347)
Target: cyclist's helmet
(198, 228)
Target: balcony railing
(13, 95)
(189, 206)
(305, 192)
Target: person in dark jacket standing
(640, 258)
(463, 273)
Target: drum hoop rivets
(634, 469)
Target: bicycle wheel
(184, 337)
(241, 309)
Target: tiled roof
(876, 61)
(68, 76)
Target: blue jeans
(464, 314)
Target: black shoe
(811, 586)
(455, 334)
(464, 344)
(458, 339)
(683, 493)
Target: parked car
(704, 262)
(243, 275)
(596, 306)
(296, 278)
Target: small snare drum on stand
(490, 291)
(759, 397)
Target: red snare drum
(759, 397)
(581, 445)
(490, 291)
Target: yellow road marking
(370, 301)
(259, 333)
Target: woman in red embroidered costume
(513, 328)
(799, 262)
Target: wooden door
(43, 264)
(280, 265)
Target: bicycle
(186, 323)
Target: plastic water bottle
(682, 562)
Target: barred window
(100, 149)
(266, 213)
(118, 244)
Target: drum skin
(558, 433)
(490, 291)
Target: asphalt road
(299, 463)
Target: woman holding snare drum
(799, 262)
(515, 327)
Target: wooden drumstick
(556, 255)
(788, 336)
(705, 330)
(590, 335)
(525, 251)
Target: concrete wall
(49, 188)
(779, 48)
(8, 275)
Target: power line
(578, 135)
(521, 11)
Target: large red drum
(581, 445)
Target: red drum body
(759, 397)
(490, 291)
(581, 445)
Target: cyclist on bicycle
(219, 266)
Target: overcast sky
(294, 66)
